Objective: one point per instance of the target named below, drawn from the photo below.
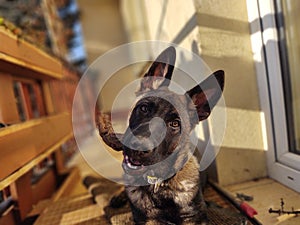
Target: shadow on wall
(245, 140)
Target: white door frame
(282, 165)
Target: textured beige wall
(102, 26)
(103, 30)
(224, 40)
(221, 31)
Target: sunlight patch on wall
(245, 129)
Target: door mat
(219, 211)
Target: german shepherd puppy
(162, 174)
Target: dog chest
(167, 204)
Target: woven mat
(216, 216)
(79, 210)
(220, 212)
(82, 210)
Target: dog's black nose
(138, 143)
(146, 136)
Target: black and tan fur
(171, 192)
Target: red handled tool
(240, 205)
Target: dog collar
(157, 182)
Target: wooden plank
(17, 67)
(39, 99)
(35, 136)
(16, 175)
(22, 193)
(47, 98)
(8, 108)
(38, 208)
(45, 187)
(20, 101)
(8, 217)
(21, 53)
(26, 100)
(56, 211)
(267, 194)
(68, 184)
(59, 161)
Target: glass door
(287, 20)
(275, 35)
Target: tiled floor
(267, 194)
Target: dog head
(156, 141)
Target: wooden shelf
(21, 143)
(27, 167)
(36, 95)
(19, 57)
(68, 184)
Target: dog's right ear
(160, 72)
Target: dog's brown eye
(144, 108)
(174, 123)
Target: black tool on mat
(282, 211)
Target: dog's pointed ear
(206, 95)
(160, 72)
(112, 139)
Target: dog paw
(118, 201)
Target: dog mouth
(132, 166)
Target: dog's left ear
(206, 95)
(160, 72)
